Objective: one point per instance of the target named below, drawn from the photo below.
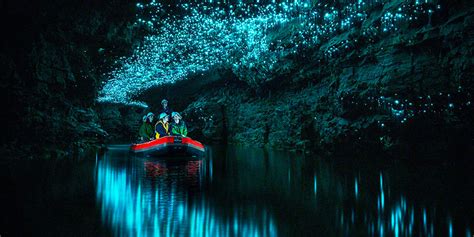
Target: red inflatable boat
(169, 146)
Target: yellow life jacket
(165, 126)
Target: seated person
(165, 108)
(146, 131)
(178, 127)
(161, 127)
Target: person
(178, 127)
(161, 127)
(166, 109)
(146, 131)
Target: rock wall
(53, 55)
(407, 93)
(404, 91)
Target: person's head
(176, 117)
(164, 117)
(150, 116)
(164, 103)
(144, 118)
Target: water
(235, 191)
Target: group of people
(149, 130)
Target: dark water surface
(235, 191)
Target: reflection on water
(152, 198)
(254, 192)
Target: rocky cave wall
(408, 93)
(53, 56)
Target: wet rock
(347, 102)
(52, 69)
(312, 100)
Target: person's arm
(150, 132)
(168, 131)
(142, 132)
(174, 130)
(184, 130)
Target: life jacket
(164, 126)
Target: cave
(357, 83)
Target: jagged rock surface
(327, 104)
(53, 58)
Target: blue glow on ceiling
(191, 38)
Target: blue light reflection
(145, 198)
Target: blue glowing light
(132, 205)
(356, 188)
(382, 195)
(315, 186)
(248, 39)
(450, 228)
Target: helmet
(164, 101)
(162, 115)
(150, 114)
(144, 118)
(174, 114)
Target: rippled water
(237, 191)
